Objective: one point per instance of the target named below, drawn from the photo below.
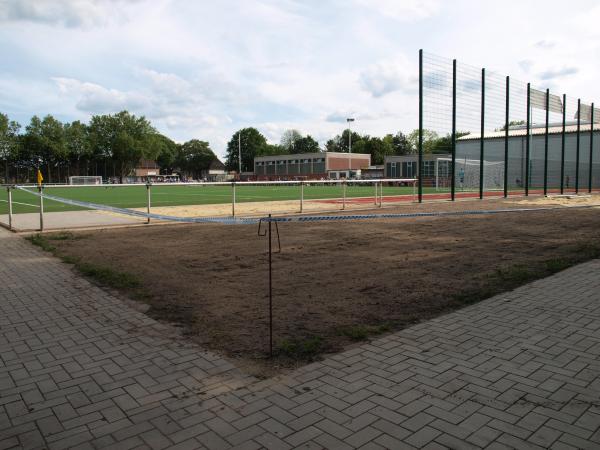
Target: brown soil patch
(332, 276)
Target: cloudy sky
(203, 69)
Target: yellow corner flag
(40, 178)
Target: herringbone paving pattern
(81, 368)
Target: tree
(340, 143)
(400, 142)
(252, 144)
(44, 144)
(444, 144)
(124, 138)
(289, 139)
(307, 145)
(378, 149)
(512, 123)
(78, 144)
(167, 153)
(194, 157)
(429, 139)
(9, 142)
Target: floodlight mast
(240, 152)
(349, 120)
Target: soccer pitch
(134, 196)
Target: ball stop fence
(500, 134)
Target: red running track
(442, 196)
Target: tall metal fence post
(301, 196)
(481, 138)
(577, 146)
(148, 199)
(10, 210)
(233, 199)
(562, 148)
(528, 142)
(453, 168)
(381, 194)
(344, 194)
(591, 172)
(420, 163)
(546, 142)
(41, 189)
(506, 125)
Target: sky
(204, 69)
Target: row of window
(408, 169)
(290, 161)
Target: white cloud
(68, 13)
(388, 76)
(545, 44)
(96, 99)
(403, 10)
(551, 74)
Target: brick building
(304, 166)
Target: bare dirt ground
(335, 282)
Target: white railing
(377, 183)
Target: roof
(216, 164)
(534, 131)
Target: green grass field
(176, 195)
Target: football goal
(85, 180)
(467, 172)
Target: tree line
(252, 143)
(110, 145)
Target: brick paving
(81, 368)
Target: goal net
(467, 173)
(85, 180)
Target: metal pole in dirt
(233, 199)
(380, 194)
(528, 142)
(301, 196)
(420, 144)
(506, 124)
(148, 196)
(375, 193)
(41, 189)
(344, 194)
(481, 138)
(577, 148)
(562, 150)
(270, 290)
(591, 149)
(10, 211)
(546, 142)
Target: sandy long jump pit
(335, 282)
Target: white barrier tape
(419, 214)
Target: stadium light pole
(349, 120)
(240, 152)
